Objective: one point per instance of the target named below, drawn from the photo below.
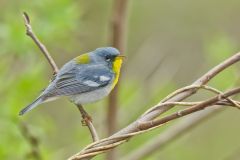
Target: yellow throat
(117, 63)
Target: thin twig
(222, 103)
(172, 133)
(177, 130)
(184, 89)
(41, 46)
(87, 120)
(181, 113)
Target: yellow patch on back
(116, 69)
(82, 59)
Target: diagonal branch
(172, 133)
(184, 89)
(41, 46)
(111, 142)
(177, 130)
(195, 108)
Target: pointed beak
(121, 56)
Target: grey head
(105, 54)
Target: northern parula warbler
(84, 79)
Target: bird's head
(108, 55)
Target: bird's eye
(108, 58)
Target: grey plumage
(73, 82)
(79, 81)
(31, 106)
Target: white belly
(92, 96)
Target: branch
(87, 121)
(40, 45)
(118, 29)
(184, 89)
(118, 34)
(171, 134)
(147, 121)
(111, 142)
(30, 33)
(195, 108)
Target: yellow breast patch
(82, 59)
(116, 69)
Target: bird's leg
(87, 121)
(85, 116)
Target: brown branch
(87, 120)
(118, 25)
(111, 142)
(181, 113)
(118, 33)
(184, 89)
(146, 121)
(171, 134)
(41, 46)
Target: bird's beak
(121, 56)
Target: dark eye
(108, 58)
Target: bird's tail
(34, 104)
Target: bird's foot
(86, 119)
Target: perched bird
(84, 79)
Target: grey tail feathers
(34, 104)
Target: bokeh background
(168, 44)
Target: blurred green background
(169, 44)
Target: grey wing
(81, 79)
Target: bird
(84, 79)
